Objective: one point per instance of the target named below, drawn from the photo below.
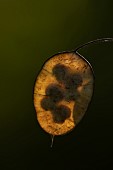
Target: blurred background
(30, 33)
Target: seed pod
(63, 91)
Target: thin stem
(94, 42)
(52, 140)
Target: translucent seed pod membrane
(62, 92)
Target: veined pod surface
(63, 91)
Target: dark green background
(31, 32)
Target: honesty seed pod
(63, 90)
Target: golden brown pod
(63, 91)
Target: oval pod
(63, 91)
